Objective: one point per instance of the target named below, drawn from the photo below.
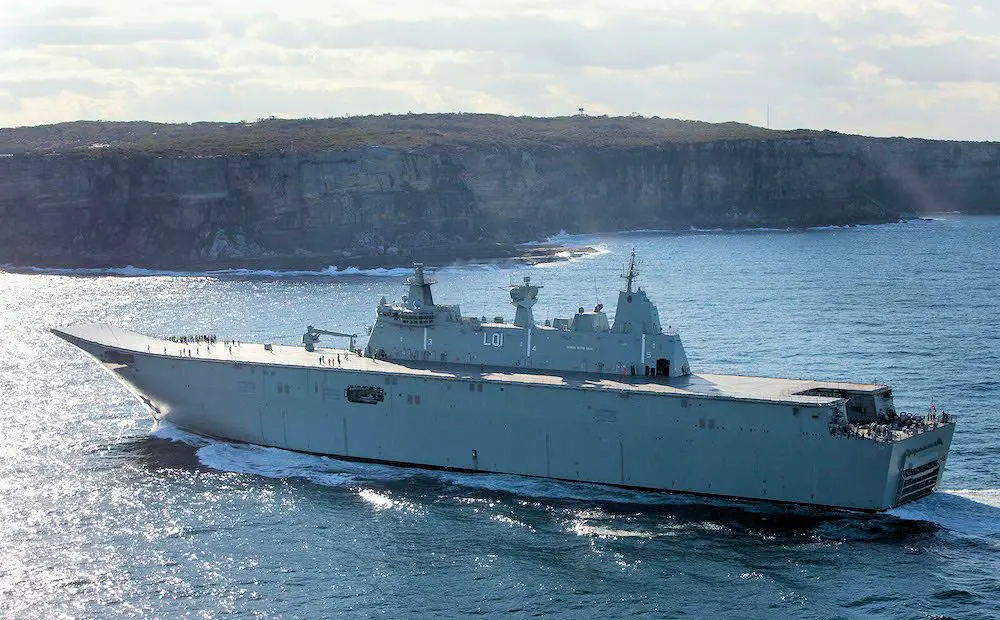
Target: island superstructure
(420, 330)
(579, 398)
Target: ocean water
(104, 515)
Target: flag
(933, 408)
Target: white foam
(990, 497)
(141, 272)
(272, 273)
(975, 512)
(510, 522)
(582, 528)
(277, 463)
(562, 237)
(132, 271)
(758, 229)
(651, 231)
(329, 471)
(378, 272)
(566, 238)
(568, 256)
(127, 270)
(463, 267)
(166, 430)
(542, 488)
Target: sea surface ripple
(105, 515)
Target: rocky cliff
(385, 204)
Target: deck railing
(905, 425)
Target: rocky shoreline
(382, 206)
(533, 254)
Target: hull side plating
(753, 449)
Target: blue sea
(105, 515)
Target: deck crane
(311, 337)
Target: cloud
(875, 66)
(957, 60)
(34, 35)
(8, 104)
(621, 43)
(46, 87)
(68, 12)
(168, 55)
(244, 101)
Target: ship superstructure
(579, 398)
(635, 344)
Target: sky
(922, 68)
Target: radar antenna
(420, 287)
(523, 297)
(631, 274)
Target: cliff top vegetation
(272, 135)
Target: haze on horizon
(920, 68)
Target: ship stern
(917, 462)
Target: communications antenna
(631, 274)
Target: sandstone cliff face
(337, 206)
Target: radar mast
(420, 288)
(631, 274)
(523, 297)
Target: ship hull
(757, 450)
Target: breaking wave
(138, 272)
(565, 238)
(132, 271)
(762, 229)
(973, 512)
(166, 430)
(329, 471)
(567, 256)
(267, 462)
(276, 463)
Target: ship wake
(277, 463)
(969, 512)
(329, 471)
(964, 512)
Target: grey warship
(577, 398)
